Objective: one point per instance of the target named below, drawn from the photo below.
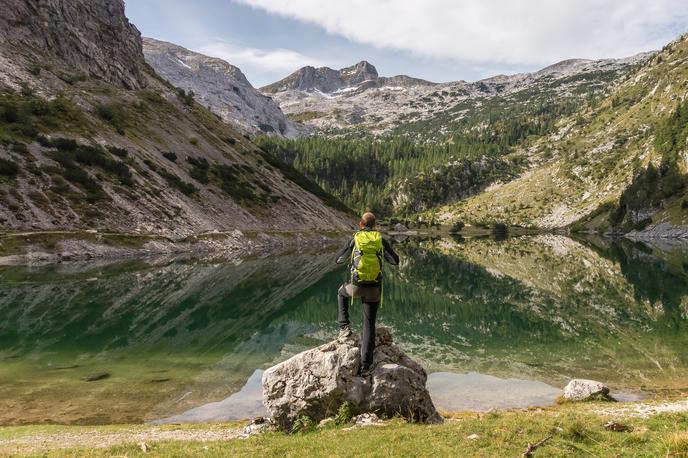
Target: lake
(496, 323)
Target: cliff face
(93, 36)
(89, 140)
(221, 87)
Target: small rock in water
(97, 376)
(586, 390)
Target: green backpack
(366, 258)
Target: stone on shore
(317, 382)
(586, 390)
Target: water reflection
(178, 335)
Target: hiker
(365, 250)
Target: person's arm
(345, 252)
(390, 256)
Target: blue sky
(439, 40)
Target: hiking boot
(344, 332)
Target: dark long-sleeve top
(344, 253)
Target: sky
(438, 40)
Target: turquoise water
(495, 323)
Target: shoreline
(634, 427)
(54, 247)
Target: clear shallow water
(496, 324)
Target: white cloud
(269, 60)
(495, 31)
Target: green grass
(574, 433)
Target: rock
(257, 426)
(93, 36)
(586, 390)
(318, 381)
(400, 228)
(367, 419)
(326, 422)
(615, 426)
(97, 376)
(472, 437)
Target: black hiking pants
(370, 296)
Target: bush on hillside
(9, 168)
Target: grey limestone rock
(318, 381)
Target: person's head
(367, 220)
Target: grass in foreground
(574, 431)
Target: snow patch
(183, 63)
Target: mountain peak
(325, 79)
(362, 71)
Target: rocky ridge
(119, 148)
(334, 101)
(221, 87)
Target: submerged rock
(97, 376)
(586, 390)
(317, 382)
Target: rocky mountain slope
(221, 87)
(582, 173)
(337, 101)
(92, 138)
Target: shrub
(170, 156)
(230, 140)
(64, 144)
(120, 152)
(174, 181)
(344, 414)
(114, 113)
(500, 231)
(575, 431)
(302, 424)
(642, 224)
(267, 128)
(34, 69)
(457, 227)
(8, 168)
(71, 79)
(26, 90)
(199, 162)
(44, 141)
(187, 98)
(199, 168)
(19, 147)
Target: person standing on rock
(365, 250)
